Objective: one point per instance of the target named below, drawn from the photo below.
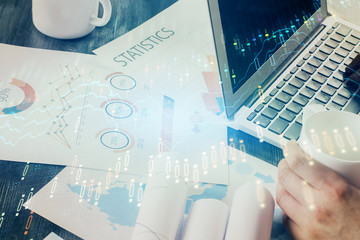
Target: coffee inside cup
(335, 133)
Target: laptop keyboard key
(331, 43)
(336, 58)
(339, 100)
(352, 40)
(277, 105)
(294, 107)
(293, 132)
(312, 50)
(301, 100)
(251, 116)
(347, 46)
(278, 126)
(336, 37)
(288, 116)
(353, 55)
(262, 121)
(315, 101)
(357, 49)
(287, 77)
(325, 72)
(319, 78)
(296, 83)
(294, 70)
(314, 62)
(342, 69)
(345, 93)
(283, 97)
(309, 69)
(327, 50)
(354, 105)
(300, 63)
(328, 90)
(339, 76)
(342, 52)
(320, 56)
(355, 34)
(331, 65)
(302, 76)
(334, 83)
(274, 92)
(259, 108)
(314, 85)
(318, 44)
(306, 57)
(290, 90)
(333, 106)
(343, 30)
(299, 120)
(324, 37)
(306, 92)
(266, 100)
(348, 61)
(281, 84)
(269, 112)
(322, 97)
(330, 31)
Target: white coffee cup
(68, 19)
(333, 139)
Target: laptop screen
(248, 33)
(255, 29)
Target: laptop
(275, 57)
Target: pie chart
(26, 103)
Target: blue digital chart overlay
(118, 140)
(120, 81)
(119, 109)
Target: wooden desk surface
(16, 28)
(16, 25)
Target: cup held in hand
(333, 139)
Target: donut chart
(26, 103)
(115, 140)
(121, 81)
(119, 110)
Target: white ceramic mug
(68, 19)
(333, 139)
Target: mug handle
(99, 22)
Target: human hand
(318, 202)
(352, 74)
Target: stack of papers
(149, 101)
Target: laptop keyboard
(317, 78)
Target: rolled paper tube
(162, 209)
(251, 213)
(207, 220)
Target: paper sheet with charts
(79, 110)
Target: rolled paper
(251, 213)
(162, 209)
(207, 220)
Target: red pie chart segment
(29, 99)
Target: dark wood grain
(16, 25)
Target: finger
(353, 67)
(312, 172)
(296, 231)
(294, 185)
(290, 206)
